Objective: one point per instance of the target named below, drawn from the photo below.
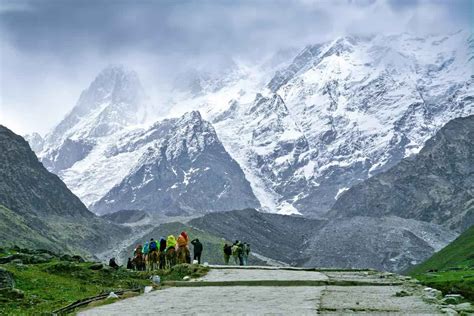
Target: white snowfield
(371, 293)
(301, 129)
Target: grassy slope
(452, 267)
(16, 230)
(459, 253)
(29, 231)
(55, 284)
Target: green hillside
(450, 270)
(458, 254)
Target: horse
(138, 262)
(184, 256)
(153, 258)
(162, 258)
(170, 257)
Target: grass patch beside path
(450, 270)
(52, 285)
(48, 286)
(450, 282)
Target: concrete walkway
(373, 297)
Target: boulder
(16, 261)
(96, 266)
(25, 258)
(6, 279)
(11, 294)
(452, 299)
(66, 258)
(449, 311)
(78, 258)
(464, 307)
(432, 293)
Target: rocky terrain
(274, 236)
(387, 244)
(435, 186)
(183, 170)
(127, 217)
(38, 210)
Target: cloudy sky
(50, 50)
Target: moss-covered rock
(6, 279)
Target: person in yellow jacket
(171, 241)
(170, 256)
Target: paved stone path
(374, 299)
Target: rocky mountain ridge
(436, 185)
(337, 114)
(38, 210)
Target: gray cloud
(51, 49)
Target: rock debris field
(283, 291)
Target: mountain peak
(193, 117)
(114, 84)
(114, 99)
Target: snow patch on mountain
(341, 112)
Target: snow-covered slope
(114, 100)
(113, 162)
(302, 130)
(182, 168)
(341, 112)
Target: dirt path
(330, 293)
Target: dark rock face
(283, 76)
(385, 244)
(435, 186)
(38, 210)
(388, 244)
(185, 170)
(27, 187)
(126, 216)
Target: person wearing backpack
(162, 253)
(153, 246)
(236, 252)
(241, 253)
(227, 253)
(146, 248)
(197, 247)
(245, 253)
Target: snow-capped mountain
(113, 101)
(302, 130)
(182, 169)
(113, 162)
(339, 113)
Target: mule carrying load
(163, 254)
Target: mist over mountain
(302, 131)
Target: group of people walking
(165, 253)
(239, 251)
(169, 251)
